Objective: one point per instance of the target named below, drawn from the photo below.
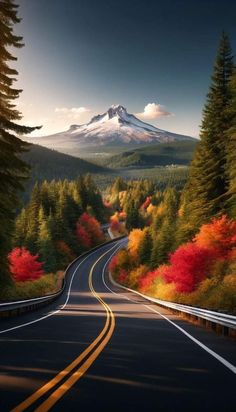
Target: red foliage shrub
(190, 264)
(115, 224)
(146, 281)
(92, 227)
(122, 216)
(113, 263)
(146, 203)
(83, 236)
(122, 278)
(219, 234)
(24, 266)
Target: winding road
(100, 348)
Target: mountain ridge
(115, 126)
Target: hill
(162, 154)
(49, 164)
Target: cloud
(73, 113)
(153, 111)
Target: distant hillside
(49, 164)
(162, 154)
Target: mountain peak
(116, 110)
(115, 126)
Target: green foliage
(13, 169)
(231, 152)
(165, 225)
(145, 248)
(206, 190)
(47, 284)
(134, 219)
(47, 225)
(161, 154)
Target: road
(101, 348)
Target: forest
(181, 222)
(183, 247)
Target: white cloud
(72, 113)
(153, 111)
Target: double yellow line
(77, 368)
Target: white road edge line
(222, 360)
(61, 308)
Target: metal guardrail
(21, 306)
(217, 318)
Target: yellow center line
(58, 393)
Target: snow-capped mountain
(116, 126)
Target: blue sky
(82, 56)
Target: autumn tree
(24, 266)
(13, 169)
(189, 265)
(135, 238)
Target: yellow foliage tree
(135, 237)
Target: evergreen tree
(231, 153)
(32, 211)
(45, 244)
(145, 248)
(206, 190)
(165, 238)
(13, 169)
(163, 244)
(20, 231)
(133, 220)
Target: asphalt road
(100, 348)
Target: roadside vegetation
(182, 245)
(60, 222)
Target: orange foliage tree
(219, 234)
(135, 238)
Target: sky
(154, 57)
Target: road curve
(101, 348)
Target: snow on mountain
(116, 126)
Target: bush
(24, 266)
(219, 234)
(190, 264)
(45, 285)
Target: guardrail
(220, 322)
(21, 306)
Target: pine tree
(164, 238)
(13, 170)
(206, 190)
(134, 219)
(32, 211)
(231, 153)
(145, 248)
(163, 244)
(45, 244)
